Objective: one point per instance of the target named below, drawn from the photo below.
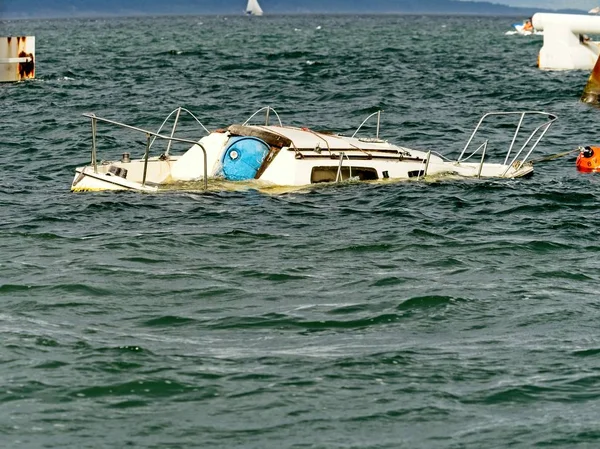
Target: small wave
(255, 235)
(50, 365)
(125, 349)
(427, 302)
(563, 275)
(129, 403)
(147, 388)
(593, 352)
(517, 394)
(168, 321)
(543, 246)
(144, 260)
(389, 281)
(62, 288)
(366, 248)
(273, 277)
(14, 288)
(288, 322)
(288, 55)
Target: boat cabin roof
(305, 138)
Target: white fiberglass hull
(295, 157)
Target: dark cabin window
(328, 174)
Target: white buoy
(566, 44)
(17, 58)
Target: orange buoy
(588, 159)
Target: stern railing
(151, 136)
(536, 136)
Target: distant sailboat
(253, 8)
(595, 10)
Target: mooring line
(554, 156)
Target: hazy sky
(553, 4)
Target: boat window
(416, 173)
(329, 174)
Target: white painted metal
(17, 58)
(13, 60)
(566, 45)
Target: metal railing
(150, 138)
(423, 173)
(178, 112)
(378, 114)
(537, 133)
(267, 110)
(339, 176)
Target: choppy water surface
(445, 314)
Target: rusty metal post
(17, 58)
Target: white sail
(595, 10)
(253, 8)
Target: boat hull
(288, 156)
(86, 180)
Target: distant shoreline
(106, 15)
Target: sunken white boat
(278, 155)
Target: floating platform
(566, 42)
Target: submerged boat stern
(123, 175)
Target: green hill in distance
(10, 9)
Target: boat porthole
(233, 155)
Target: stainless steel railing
(150, 138)
(537, 134)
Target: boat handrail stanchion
(349, 167)
(378, 114)
(472, 136)
(205, 168)
(178, 111)
(267, 116)
(146, 155)
(378, 123)
(262, 109)
(550, 118)
(173, 131)
(544, 127)
(482, 159)
(94, 151)
(338, 176)
(426, 162)
(512, 144)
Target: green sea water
(438, 314)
